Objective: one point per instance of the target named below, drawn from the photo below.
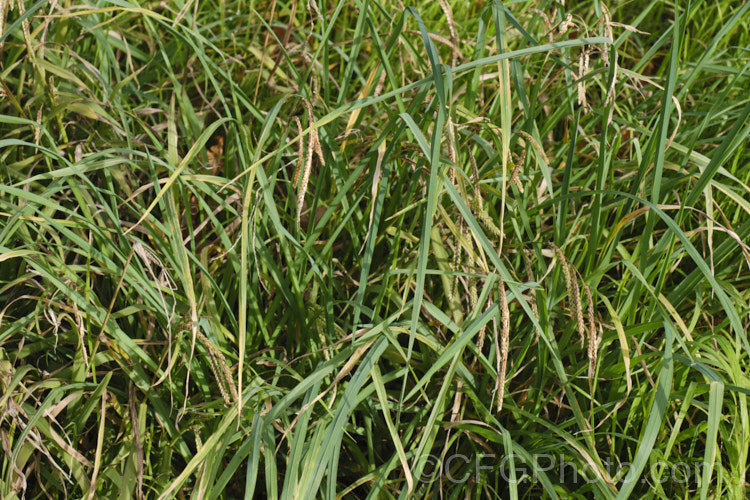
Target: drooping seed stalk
(503, 347)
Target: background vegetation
(316, 249)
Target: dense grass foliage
(320, 249)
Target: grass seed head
(502, 355)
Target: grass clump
(354, 249)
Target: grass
(285, 249)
